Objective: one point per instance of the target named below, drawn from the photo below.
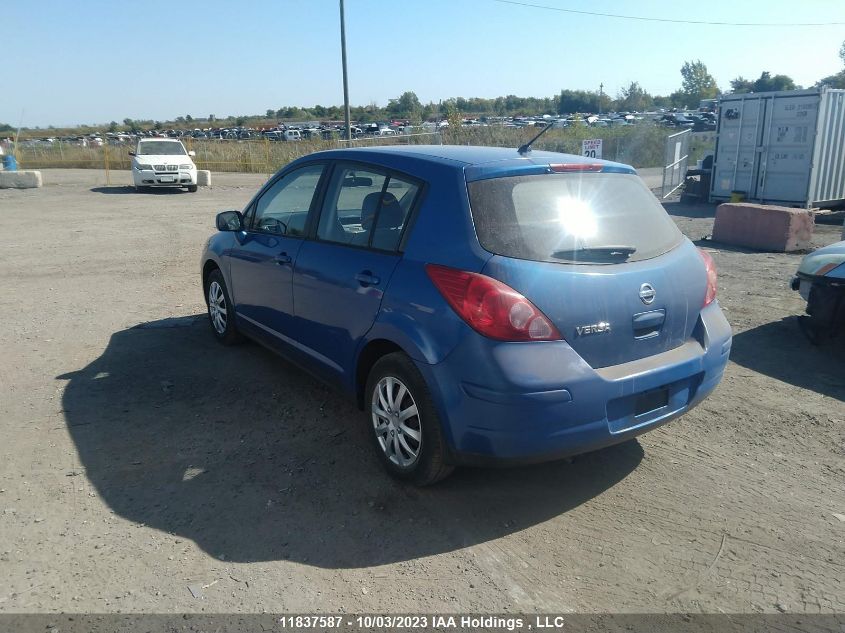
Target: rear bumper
(530, 402)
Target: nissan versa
(483, 305)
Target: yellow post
(267, 153)
(106, 161)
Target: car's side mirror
(131, 153)
(192, 153)
(230, 221)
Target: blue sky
(93, 61)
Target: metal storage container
(784, 148)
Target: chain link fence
(638, 145)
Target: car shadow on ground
(721, 246)
(690, 210)
(779, 349)
(124, 189)
(255, 460)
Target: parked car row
(698, 121)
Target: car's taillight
(710, 267)
(490, 307)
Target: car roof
(477, 162)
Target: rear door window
(571, 218)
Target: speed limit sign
(591, 148)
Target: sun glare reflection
(576, 217)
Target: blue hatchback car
(482, 305)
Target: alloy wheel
(217, 307)
(396, 422)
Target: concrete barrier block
(203, 178)
(20, 179)
(763, 227)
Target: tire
(192, 188)
(217, 298)
(414, 449)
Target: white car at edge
(161, 162)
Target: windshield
(572, 218)
(160, 148)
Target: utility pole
(601, 86)
(345, 80)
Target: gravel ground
(140, 458)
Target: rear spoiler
(526, 167)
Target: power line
(645, 19)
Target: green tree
(239, 121)
(453, 115)
(571, 101)
(189, 118)
(741, 84)
(766, 83)
(775, 82)
(634, 98)
(697, 83)
(113, 126)
(211, 118)
(837, 80)
(270, 113)
(406, 105)
(833, 81)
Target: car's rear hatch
(598, 255)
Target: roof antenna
(524, 149)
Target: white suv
(159, 162)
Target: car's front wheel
(192, 188)
(221, 314)
(403, 422)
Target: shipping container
(785, 148)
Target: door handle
(366, 278)
(282, 259)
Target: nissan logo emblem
(647, 294)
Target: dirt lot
(139, 457)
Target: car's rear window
(572, 218)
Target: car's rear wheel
(221, 315)
(403, 422)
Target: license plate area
(651, 401)
(167, 179)
(639, 410)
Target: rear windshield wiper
(595, 252)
